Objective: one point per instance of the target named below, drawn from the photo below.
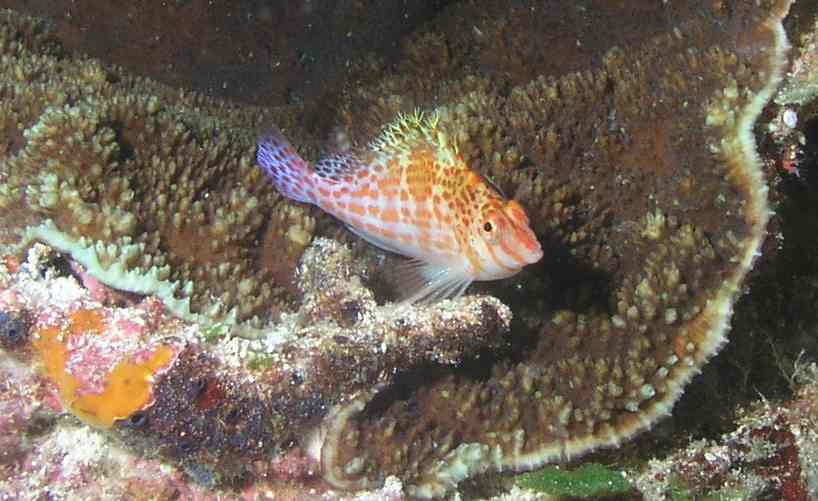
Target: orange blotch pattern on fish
(389, 215)
(357, 209)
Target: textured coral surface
(144, 186)
(641, 171)
(629, 142)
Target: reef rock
(141, 372)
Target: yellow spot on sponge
(128, 387)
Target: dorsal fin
(407, 129)
(490, 182)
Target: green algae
(586, 481)
(214, 333)
(260, 362)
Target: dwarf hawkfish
(410, 192)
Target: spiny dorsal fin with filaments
(407, 129)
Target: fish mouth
(531, 246)
(527, 240)
(535, 255)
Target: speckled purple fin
(291, 174)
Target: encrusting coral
(636, 164)
(98, 379)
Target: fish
(410, 192)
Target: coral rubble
(771, 454)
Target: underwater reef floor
(170, 327)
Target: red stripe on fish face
(523, 233)
(529, 241)
(516, 213)
(497, 260)
(509, 251)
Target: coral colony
(156, 286)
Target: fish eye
(488, 227)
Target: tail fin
(291, 174)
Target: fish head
(503, 240)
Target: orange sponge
(127, 384)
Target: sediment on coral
(644, 170)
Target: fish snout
(532, 251)
(527, 244)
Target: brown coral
(643, 170)
(153, 191)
